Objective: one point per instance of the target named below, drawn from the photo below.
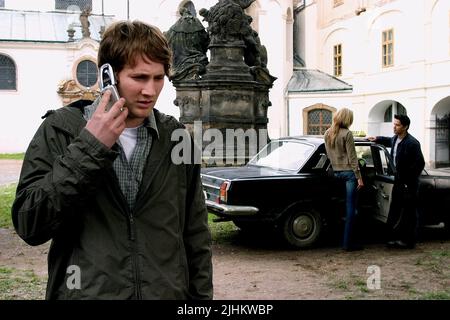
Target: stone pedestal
(236, 108)
(227, 102)
(227, 61)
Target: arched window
(319, 120)
(87, 73)
(7, 73)
(395, 108)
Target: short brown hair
(124, 40)
(404, 120)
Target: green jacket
(68, 192)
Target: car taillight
(223, 191)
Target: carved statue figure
(227, 22)
(84, 20)
(189, 42)
(244, 4)
(253, 50)
(68, 86)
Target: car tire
(302, 228)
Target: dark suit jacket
(410, 161)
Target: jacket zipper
(131, 233)
(133, 239)
(135, 258)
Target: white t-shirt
(395, 149)
(128, 140)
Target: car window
(385, 168)
(285, 155)
(365, 153)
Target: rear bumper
(225, 210)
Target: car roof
(318, 140)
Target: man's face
(140, 85)
(399, 129)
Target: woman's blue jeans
(350, 204)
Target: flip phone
(107, 81)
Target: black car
(290, 185)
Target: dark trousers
(404, 217)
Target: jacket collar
(394, 139)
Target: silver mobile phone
(107, 81)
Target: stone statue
(244, 4)
(70, 85)
(252, 53)
(84, 19)
(227, 22)
(233, 93)
(189, 42)
(229, 25)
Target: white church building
(376, 57)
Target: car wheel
(302, 228)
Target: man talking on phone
(125, 221)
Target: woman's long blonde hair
(342, 119)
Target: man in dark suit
(408, 159)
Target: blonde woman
(341, 151)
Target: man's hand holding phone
(105, 125)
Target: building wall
(299, 102)
(272, 19)
(40, 68)
(308, 34)
(418, 80)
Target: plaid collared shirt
(129, 173)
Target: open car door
(378, 173)
(383, 182)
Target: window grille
(319, 120)
(337, 60)
(388, 48)
(7, 73)
(87, 73)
